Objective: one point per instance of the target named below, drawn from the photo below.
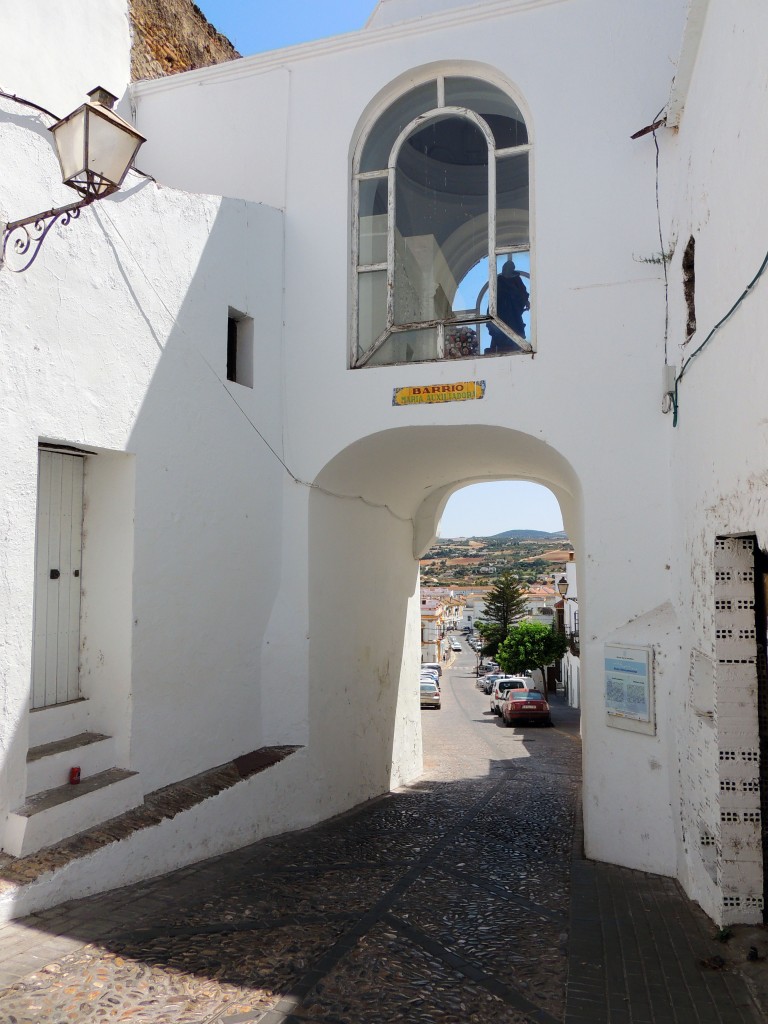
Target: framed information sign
(629, 702)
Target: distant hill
(529, 535)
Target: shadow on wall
(206, 485)
(363, 580)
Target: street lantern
(95, 146)
(96, 149)
(562, 586)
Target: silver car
(430, 695)
(501, 689)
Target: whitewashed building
(251, 528)
(540, 601)
(570, 663)
(433, 629)
(474, 609)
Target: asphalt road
(464, 737)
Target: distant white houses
(568, 615)
(473, 609)
(541, 599)
(441, 611)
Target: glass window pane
(462, 341)
(512, 219)
(512, 322)
(494, 106)
(441, 219)
(373, 221)
(472, 291)
(442, 263)
(375, 156)
(408, 347)
(372, 308)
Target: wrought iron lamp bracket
(22, 239)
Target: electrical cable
(671, 400)
(303, 483)
(662, 252)
(296, 479)
(28, 103)
(48, 113)
(715, 329)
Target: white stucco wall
(713, 191)
(53, 54)
(117, 342)
(598, 308)
(259, 602)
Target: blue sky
(255, 26)
(482, 510)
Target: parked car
(430, 695)
(501, 689)
(434, 665)
(525, 706)
(489, 680)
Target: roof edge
(689, 51)
(261, 63)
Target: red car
(525, 706)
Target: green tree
(531, 645)
(504, 604)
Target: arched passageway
(374, 511)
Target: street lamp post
(562, 589)
(95, 148)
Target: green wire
(712, 333)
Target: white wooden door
(59, 543)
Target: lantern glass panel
(110, 149)
(70, 143)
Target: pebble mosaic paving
(447, 902)
(356, 920)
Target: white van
(433, 665)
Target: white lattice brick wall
(740, 793)
(739, 845)
(699, 776)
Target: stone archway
(374, 510)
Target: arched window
(441, 239)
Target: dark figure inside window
(512, 300)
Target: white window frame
(358, 360)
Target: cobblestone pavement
(447, 902)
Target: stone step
(47, 725)
(55, 814)
(17, 872)
(48, 764)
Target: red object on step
(74, 776)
